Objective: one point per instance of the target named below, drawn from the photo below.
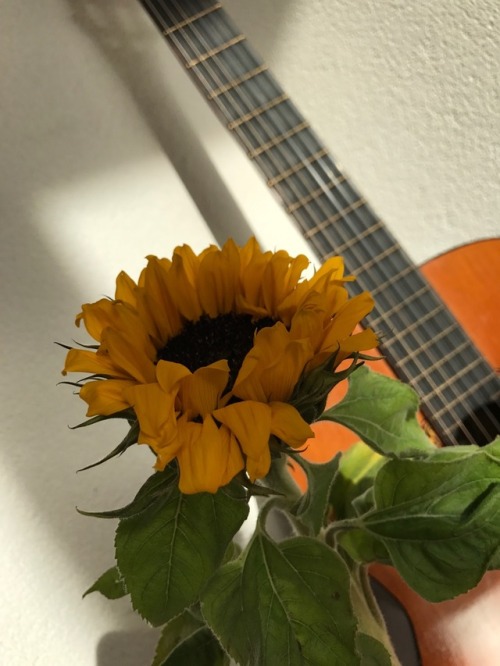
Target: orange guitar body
(466, 630)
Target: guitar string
(227, 75)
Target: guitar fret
(303, 201)
(464, 394)
(396, 337)
(191, 19)
(424, 374)
(340, 249)
(277, 140)
(373, 262)
(399, 306)
(438, 390)
(272, 182)
(257, 112)
(444, 333)
(334, 218)
(215, 51)
(237, 82)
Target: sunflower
(207, 350)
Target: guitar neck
(420, 338)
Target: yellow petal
(84, 360)
(129, 356)
(273, 366)
(208, 458)
(250, 422)
(105, 397)
(218, 281)
(348, 316)
(157, 419)
(200, 392)
(96, 317)
(125, 289)
(288, 425)
(160, 300)
(182, 282)
(363, 341)
(170, 375)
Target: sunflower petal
(288, 425)
(273, 366)
(105, 397)
(250, 422)
(200, 392)
(84, 360)
(157, 420)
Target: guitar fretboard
(419, 337)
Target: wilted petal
(250, 422)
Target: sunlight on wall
(110, 222)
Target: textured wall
(109, 154)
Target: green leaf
(382, 412)
(313, 504)
(286, 604)
(187, 640)
(438, 518)
(110, 584)
(167, 552)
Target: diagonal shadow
(161, 91)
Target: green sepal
(187, 640)
(154, 490)
(124, 414)
(129, 440)
(382, 412)
(168, 551)
(311, 392)
(110, 584)
(286, 603)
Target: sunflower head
(215, 354)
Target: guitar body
(464, 631)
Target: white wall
(106, 147)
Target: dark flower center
(207, 340)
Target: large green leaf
(382, 412)
(186, 640)
(167, 552)
(286, 604)
(438, 518)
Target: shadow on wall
(127, 648)
(123, 36)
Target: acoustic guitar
(423, 340)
